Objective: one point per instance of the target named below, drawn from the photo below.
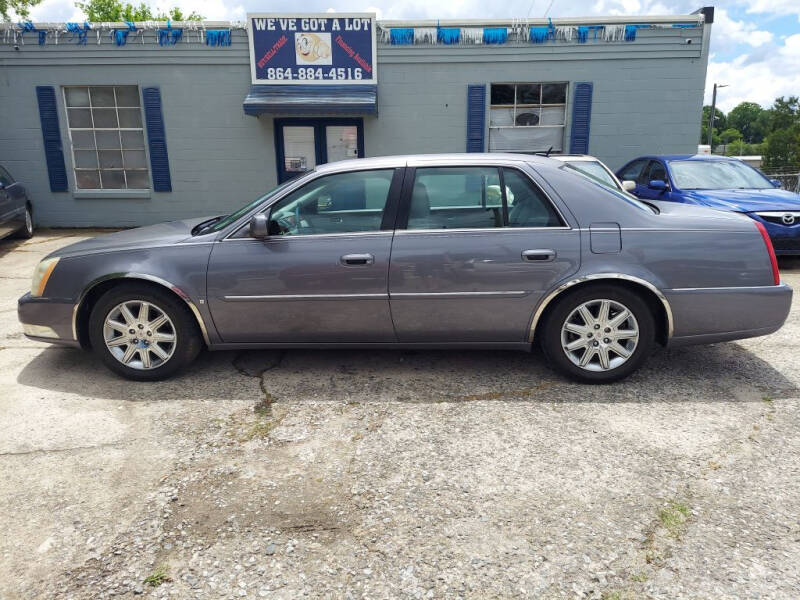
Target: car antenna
(545, 154)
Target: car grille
(777, 217)
(786, 244)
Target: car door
(321, 274)
(475, 249)
(654, 171)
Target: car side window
(456, 198)
(657, 171)
(527, 204)
(5, 178)
(340, 203)
(633, 170)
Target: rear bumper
(46, 320)
(707, 315)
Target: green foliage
(742, 148)
(720, 123)
(99, 11)
(783, 148)
(747, 118)
(730, 135)
(20, 7)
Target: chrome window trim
(482, 230)
(151, 278)
(598, 277)
(383, 232)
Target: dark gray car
(16, 213)
(443, 251)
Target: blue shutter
(51, 135)
(581, 116)
(476, 117)
(156, 139)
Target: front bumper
(47, 320)
(785, 238)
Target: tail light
(776, 276)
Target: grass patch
(258, 430)
(159, 576)
(767, 399)
(639, 578)
(673, 516)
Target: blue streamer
(218, 37)
(630, 31)
(26, 26)
(495, 35)
(131, 25)
(120, 36)
(81, 32)
(42, 38)
(448, 35)
(539, 35)
(401, 36)
(169, 36)
(685, 25)
(583, 34)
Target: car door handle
(538, 255)
(357, 259)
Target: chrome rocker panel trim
(599, 277)
(153, 279)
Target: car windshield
(716, 175)
(594, 170)
(223, 222)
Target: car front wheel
(26, 231)
(143, 333)
(599, 334)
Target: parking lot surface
(396, 474)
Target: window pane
(502, 93)
(135, 159)
(341, 203)
(526, 139)
(132, 139)
(554, 93)
(527, 205)
(137, 180)
(456, 198)
(105, 118)
(130, 117)
(107, 140)
(102, 96)
(79, 117)
(83, 139)
(87, 180)
(85, 159)
(528, 93)
(527, 117)
(501, 116)
(552, 115)
(110, 159)
(114, 180)
(633, 170)
(77, 96)
(127, 95)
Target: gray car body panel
(436, 288)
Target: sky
(755, 44)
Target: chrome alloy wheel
(139, 334)
(28, 222)
(600, 335)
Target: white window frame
(119, 131)
(514, 106)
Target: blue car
(723, 183)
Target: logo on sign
(313, 48)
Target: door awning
(312, 99)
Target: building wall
(647, 98)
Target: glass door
(302, 144)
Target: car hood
(151, 236)
(745, 200)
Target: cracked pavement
(350, 474)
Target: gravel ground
(396, 474)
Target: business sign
(328, 48)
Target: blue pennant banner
(218, 37)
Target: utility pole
(711, 116)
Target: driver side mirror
(775, 183)
(259, 227)
(658, 184)
(628, 185)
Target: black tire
(26, 231)
(551, 330)
(188, 340)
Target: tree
(99, 11)
(741, 148)
(730, 135)
(18, 7)
(785, 112)
(745, 117)
(719, 125)
(783, 147)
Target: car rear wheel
(26, 231)
(599, 334)
(143, 333)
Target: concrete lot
(396, 474)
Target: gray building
(119, 125)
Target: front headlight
(40, 276)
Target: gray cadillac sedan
(441, 251)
